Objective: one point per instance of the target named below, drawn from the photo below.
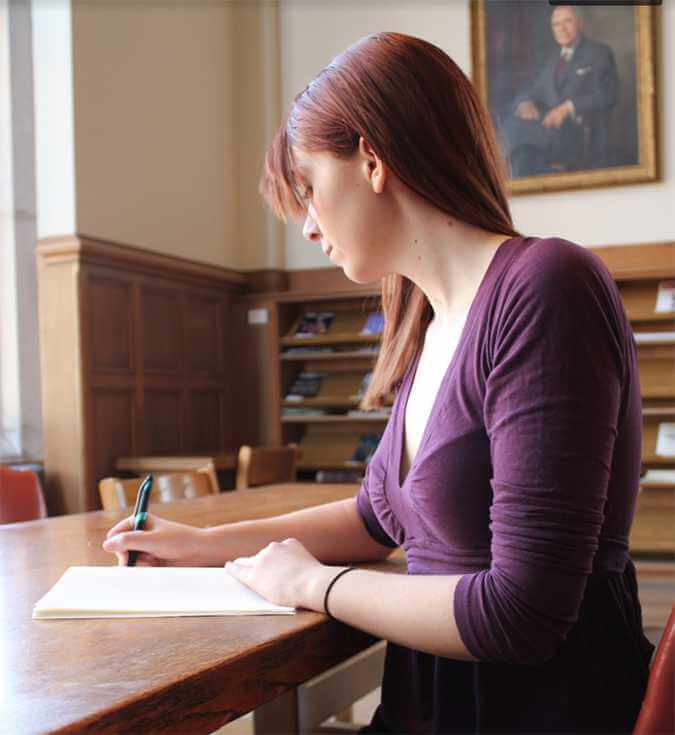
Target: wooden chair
(658, 714)
(266, 465)
(117, 494)
(159, 465)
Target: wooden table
(175, 675)
(157, 675)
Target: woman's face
(347, 212)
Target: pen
(140, 513)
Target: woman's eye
(307, 192)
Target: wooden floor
(656, 583)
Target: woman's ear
(373, 166)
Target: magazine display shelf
(647, 288)
(332, 365)
(379, 419)
(327, 438)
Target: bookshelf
(645, 276)
(324, 357)
(275, 356)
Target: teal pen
(140, 513)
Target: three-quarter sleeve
(364, 502)
(551, 411)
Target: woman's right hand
(161, 543)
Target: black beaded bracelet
(333, 581)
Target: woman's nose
(310, 229)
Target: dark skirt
(594, 684)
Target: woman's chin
(358, 275)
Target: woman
(509, 468)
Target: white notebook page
(132, 592)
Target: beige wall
(172, 109)
(312, 33)
(175, 103)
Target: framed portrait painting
(571, 90)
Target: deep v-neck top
(407, 383)
(526, 476)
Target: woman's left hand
(283, 572)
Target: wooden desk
(178, 675)
(175, 675)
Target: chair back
(21, 497)
(266, 465)
(657, 714)
(118, 494)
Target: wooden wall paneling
(161, 345)
(162, 422)
(129, 339)
(233, 367)
(203, 336)
(256, 402)
(60, 318)
(162, 327)
(113, 434)
(110, 312)
(325, 280)
(272, 425)
(245, 423)
(109, 369)
(204, 420)
(266, 281)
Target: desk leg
(278, 717)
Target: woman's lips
(327, 249)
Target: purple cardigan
(527, 473)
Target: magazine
(314, 323)
(374, 323)
(306, 385)
(364, 385)
(365, 448)
(339, 476)
(302, 411)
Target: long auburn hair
(424, 119)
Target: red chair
(21, 497)
(657, 716)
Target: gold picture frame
(613, 161)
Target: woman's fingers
(136, 540)
(121, 558)
(245, 561)
(124, 525)
(127, 524)
(242, 572)
(143, 559)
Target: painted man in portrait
(561, 122)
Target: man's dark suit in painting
(590, 80)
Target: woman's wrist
(313, 588)
(208, 547)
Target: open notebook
(142, 592)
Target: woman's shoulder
(554, 265)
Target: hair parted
(424, 119)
